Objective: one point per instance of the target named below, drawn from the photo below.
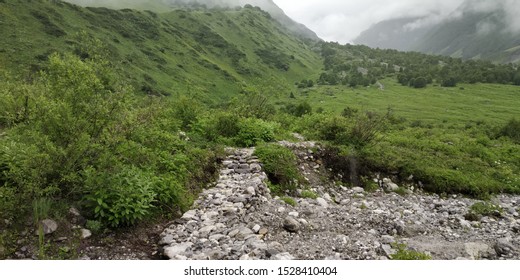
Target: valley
(118, 126)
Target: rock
(291, 225)
(243, 233)
(49, 226)
(327, 197)
(178, 249)
(294, 214)
(85, 233)
(190, 215)
(358, 190)
(503, 247)
(465, 224)
(207, 229)
(263, 231)
(282, 257)
(387, 249)
(167, 239)
(322, 202)
(74, 212)
(387, 239)
(256, 228)
(476, 251)
(251, 190)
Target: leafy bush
(120, 197)
(308, 194)
(280, 164)
(405, 254)
(512, 130)
(254, 131)
(486, 209)
(289, 200)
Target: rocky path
(238, 219)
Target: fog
(344, 20)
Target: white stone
(85, 233)
(358, 190)
(190, 215)
(294, 214)
(173, 251)
(322, 202)
(256, 228)
(49, 226)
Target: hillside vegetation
(125, 114)
(160, 54)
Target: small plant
(41, 208)
(94, 226)
(280, 164)
(308, 194)
(404, 254)
(289, 200)
(120, 198)
(401, 191)
(486, 209)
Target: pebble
(238, 219)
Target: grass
(289, 200)
(449, 139)
(170, 53)
(490, 103)
(404, 254)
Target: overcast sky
(344, 20)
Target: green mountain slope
(217, 50)
(165, 5)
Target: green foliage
(94, 226)
(254, 131)
(511, 130)
(299, 110)
(486, 209)
(41, 209)
(309, 194)
(120, 197)
(405, 254)
(289, 200)
(280, 164)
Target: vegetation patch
(281, 167)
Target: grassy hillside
(450, 139)
(209, 52)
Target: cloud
(344, 20)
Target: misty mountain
(476, 30)
(164, 5)
(393, 34)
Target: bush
(120, 197)
(289, 200)
(280, 164)
(511, 130)
(309, 194)
(405, 254)
(254, 131)
(486, 209)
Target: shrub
(254, 131)
(95, 226)
(119, 197)
(486, 209)
(405, 254)
(227, 125)
(280, 164)
(308, 194)
(511, 130)
(289, 200)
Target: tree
(420, 82)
